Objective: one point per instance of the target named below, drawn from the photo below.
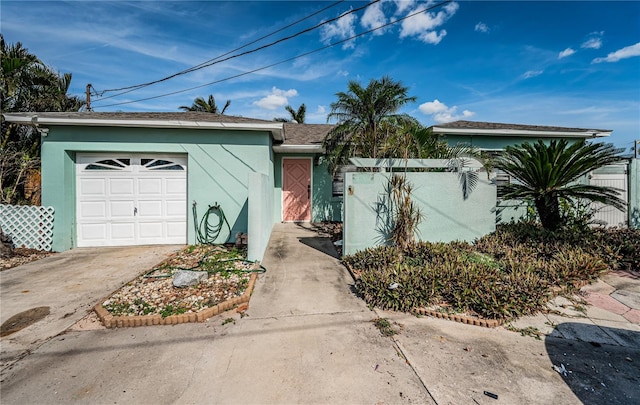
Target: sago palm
(547, 172)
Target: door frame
(282, 186)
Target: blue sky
(574, 63)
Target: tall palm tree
(208, 106)
(297, 115)
(546, 173)
(365, 116)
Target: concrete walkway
(309, 340)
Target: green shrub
(509, 273)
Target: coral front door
(296, 190)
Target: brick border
(487, 323)
(111, 321)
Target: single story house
(133, 178)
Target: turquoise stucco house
(129, 178)
(134, 178)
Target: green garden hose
(206, 233)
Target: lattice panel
(28, 226)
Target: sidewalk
(605, 312)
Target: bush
(511, 272)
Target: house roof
(194, 120)
(303, 138)
(501, 129)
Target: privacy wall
(448, 216)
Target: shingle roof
(151, 116)
(521, 127)
(305, 134)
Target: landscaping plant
(545, 173)
(512, 272)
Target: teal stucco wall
(325, 207)
(496, 142)
(218, 167)
(448, 216)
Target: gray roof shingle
(521, 127)
(305, 134)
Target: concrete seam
(403, 353)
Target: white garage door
(131, 199)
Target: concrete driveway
(69, 284)
(309, 339)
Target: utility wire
(284, 60)
(221, 58)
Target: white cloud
(340, 29)
(423, 26)
(403, 5)
(277, 98)
(594, 42)
(482, 27)
(624, 53)
(321, 109)
(565, 53)
(374, 17)
(442, 113)
(532, 73)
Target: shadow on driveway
(598, 373)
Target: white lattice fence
(28, 226)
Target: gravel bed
(22, 256)
(153, 292)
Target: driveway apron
(69, 284)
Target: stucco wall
(218, 167)
(448, 216)
(496, 142)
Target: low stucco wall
(448, 216)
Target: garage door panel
(122, 202)
(123, 231)
(174, 208)
(93, 209)
(175, 186)
(92, 187)
(119, 187)
(176, 229)
(151, 229)
(149, 186)
(93, 232)
(122, 209)
(151, 208)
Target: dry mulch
(153, 293)
(22, 256)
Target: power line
(284, 60)
(221, 58)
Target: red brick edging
(111, 321)
(487, 323)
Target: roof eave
(276, 129)
(298, 149)
(519, 132)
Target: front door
(296, 190)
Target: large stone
(186, 278)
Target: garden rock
(186, 278)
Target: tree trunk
(6, 245)
(548, 209)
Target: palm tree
(546, 173)
(297, 115)
(208, 106)
(365, 117)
